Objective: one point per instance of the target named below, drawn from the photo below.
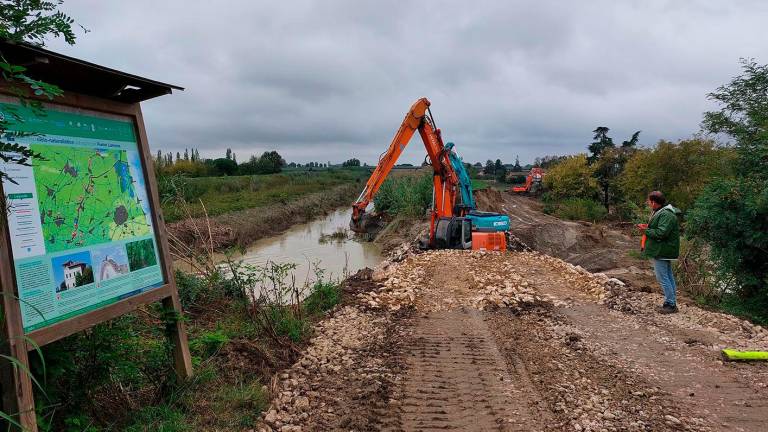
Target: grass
(405, 196)
(478, 184)
(118, 375)
(754, 310)
(222, 195)
(580, 209)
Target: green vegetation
(608, 162)
(141, 254)
(582, 209)
(84, 278)
(679, 169)
(731, 214)
(723, 191)
(227, 194)
(572, 177)
(191, 164)
(405, 196)
(118, 375)
(478, 184)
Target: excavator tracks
(456, 378)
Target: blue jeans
(663, 270)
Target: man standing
(662, 245)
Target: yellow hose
(733, 355)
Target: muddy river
(304, 244)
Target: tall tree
(501, 173)
(731, 214)
(489, 168)
(609, 161)
(744, 116)
(229, 154)
(601, 142)
(517, 166)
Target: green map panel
(87, 197)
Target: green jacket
(663, 234)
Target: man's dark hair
(657, 197)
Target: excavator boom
(446, 229)
(445, 179)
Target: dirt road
(454, 340)
(475, 341)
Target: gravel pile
(488, 280)
(333, 352)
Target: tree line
(722, 188)
(191, 164)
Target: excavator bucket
(367, 223)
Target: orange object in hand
(642, 227)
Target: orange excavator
(448, 228)
(532, 182)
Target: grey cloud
(328, 80)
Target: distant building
(71, 271)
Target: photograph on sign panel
(141, 254)
(72, 271)
(111, 262)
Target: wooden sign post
(82, 238)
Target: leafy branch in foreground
(34, 20)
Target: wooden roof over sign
(79, 76)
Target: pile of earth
(595, 247)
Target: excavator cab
(453, 233)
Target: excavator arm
(465, 183)
(418, 118)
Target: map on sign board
(87, 197)
(79, 218)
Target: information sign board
(79, 218)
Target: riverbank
(215, 196)
(242, 228)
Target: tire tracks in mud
(559, 361)
(457, 378)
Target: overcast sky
(328, 80)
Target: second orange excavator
(448, 228)
(532, 184)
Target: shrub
(572, 177)
(731, 215)
(696, 272)
(406, 196)
(208, 343)
(287, 323)
(192, 289)
(575, 209)
(325, 295)
(680, 170)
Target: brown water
(302, 246)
